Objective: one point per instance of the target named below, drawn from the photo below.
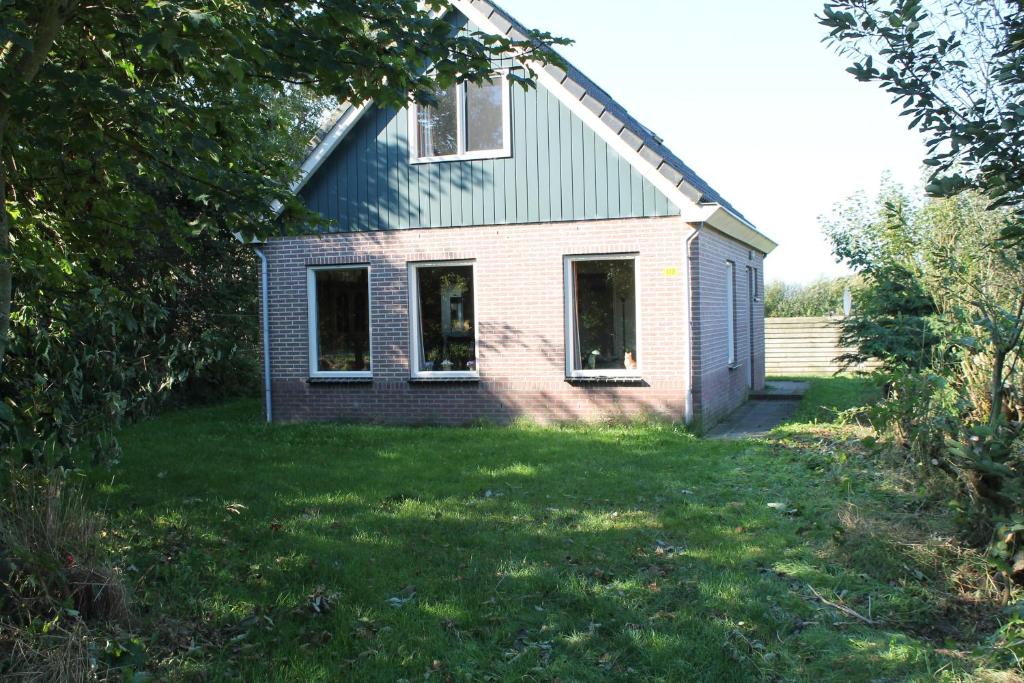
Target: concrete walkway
(765, 410)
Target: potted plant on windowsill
(433, 359)
(460, 355)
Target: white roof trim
(319, 155)
(728, 223)
(315, 159)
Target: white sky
(745, 92)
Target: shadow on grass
(316, 552)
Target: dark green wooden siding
(560, 170)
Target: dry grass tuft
(61, 656)
(99, 595)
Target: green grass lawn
(328, 552)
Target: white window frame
(730, 311)
(314, 334)
(569, 295)
(414, 323)
(460, 135)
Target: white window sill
(469, 156)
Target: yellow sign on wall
(670, 272)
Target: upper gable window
(469, 121)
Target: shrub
(943, 308)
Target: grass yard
(328, 552)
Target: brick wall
(719, 388)
(519, 294)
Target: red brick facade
(520, 318)
(719, 388)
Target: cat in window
(629, 361)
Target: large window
(339, 321)
(601, 316)
(468, 121)
(730, 310)
(443, 320)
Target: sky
(745, 92)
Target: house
(510, 252)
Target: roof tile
(502, 22)
(612, 121)
(674, 176)
(517, 33)
(593, 104)
(577, 90)
(651, 156)
(631, 138)
(556, 71)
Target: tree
(882, 242)
(956, 67)
(104, 107)
(135, 138)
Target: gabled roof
(698, 200)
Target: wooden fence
(803, 346)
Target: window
(468, 121)
(601, 316)
(339, 321)
(730, 309)
(437, 126)
(443, 320)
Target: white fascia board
(319, 155)
(728, 223)
(315, 159)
